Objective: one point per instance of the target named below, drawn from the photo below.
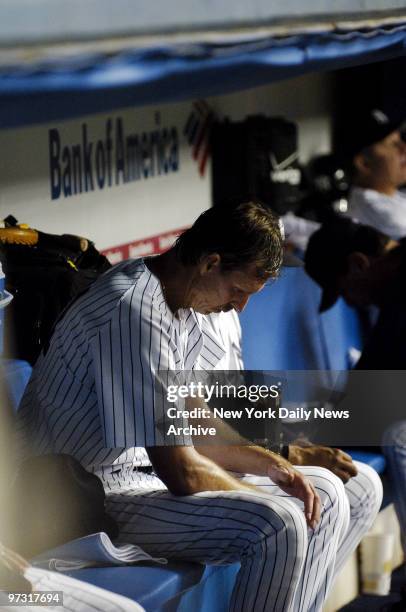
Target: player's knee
(330, 489)
(369, 486)
(288, 519)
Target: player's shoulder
(139, 290)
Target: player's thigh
(210, 526)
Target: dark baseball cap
(328, 249)
(367, 129)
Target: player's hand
(296, 484)
(334, 459)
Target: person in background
(368, 268)
(375, 154)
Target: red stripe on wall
(146, 246)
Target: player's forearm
(185, 472)
(244, 459)
(207, 476)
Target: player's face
(217, 290)
(388, 160)
(356, 295)
(355, 284)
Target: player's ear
(362, 163)
(209, 263)
(358, 262)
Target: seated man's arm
(244, 459)
(239, 455)
(185, 471)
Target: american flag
(197, 132)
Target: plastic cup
(376, 563)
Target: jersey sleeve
(136, 361)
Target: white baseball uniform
(99, 395)
(386, 213)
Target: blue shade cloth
(59, 88)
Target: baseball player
(100, 394)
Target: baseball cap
(328, 249)
(367, 129)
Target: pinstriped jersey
(227, 329)
(99, 392)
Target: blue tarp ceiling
(59, 88)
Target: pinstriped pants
(284, 565)
(394, 447)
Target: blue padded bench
(179, 587)
(375, 460)
(283, 330)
